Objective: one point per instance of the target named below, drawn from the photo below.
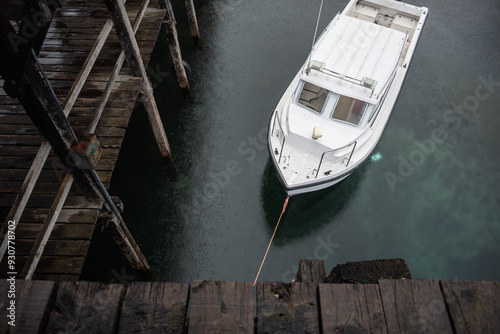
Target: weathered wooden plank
(473, 306)
(7, 162)
(13, 187)
(31, 151)
(24, 140)
(154, 307)
(113, 103)
(22, 129)
(287, 308)
(414, 306)
(221, 307)
(70, 231)
(312, 271)
(86, 307)
(351, 308)
(44, 201)
(15, 119)
(46, 175)
(369, 271)
(7, 100)
(17, 150)
(119, 86)
(54, 247)
(80, 215)
(121, 122)
(57, 277)
(33, 300)
(50, 264)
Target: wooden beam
(116, 71)
(130, 249)
(87, 67)
(46, 113)
(129, 45)
(126, 36)
(174, 46)
(193, 23)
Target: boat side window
(313, 97)
(349, 110)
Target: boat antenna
(315, 32)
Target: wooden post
(173, 43)
(124, 239)
(193, 23)
(129, 45)
(46, 113)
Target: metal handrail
(276, 119)
(338, 149)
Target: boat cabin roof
(352, 50)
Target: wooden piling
(129, 45)
(193, 22)
(173, 43)
(312, 271)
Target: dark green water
(431, 199)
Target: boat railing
(344, 157)
(381, 102)
(280, 134)
(344, 77)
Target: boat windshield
(313, 97)
(349, 110)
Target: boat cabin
(347, 109)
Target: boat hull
(302, 171)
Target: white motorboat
(334, 112)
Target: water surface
(431, 199)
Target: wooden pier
(54, 227)
(389, 306)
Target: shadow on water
(306, 213)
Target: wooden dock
(64, 55)
(391, 306)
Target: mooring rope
(271, 241)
